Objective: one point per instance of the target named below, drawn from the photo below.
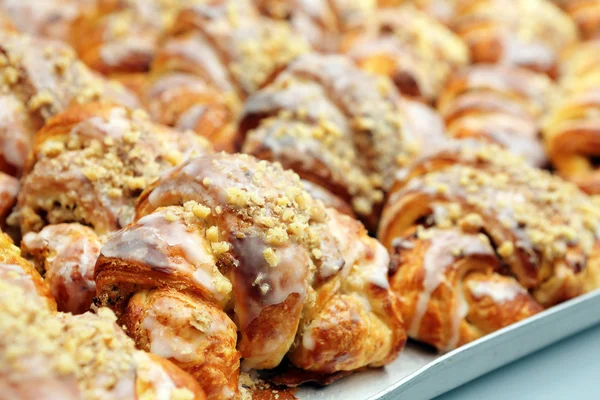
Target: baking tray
(419, 373)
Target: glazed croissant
(211, 60)
(572, 126)
(417, 52)
(480, 240)
(450, 292)
(81, 182)
(47, 18)
(120, 38)
(337, 127)
(528, 33)
(585, 13)
(323, 23)
(40, 78)
(44, 355)
(499, 104)
(225, 251)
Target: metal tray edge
(498, 349)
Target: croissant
(47, 18)
(48, 356)
(87, 167)
(529, 33)
(337, 127)
(571, 126)
(480, 240)
(40, 78)
(211, 60)
(450, 292)
(417, 52)
(585, 13)
(225, 251)
(499, 104)
(322, 23)
(119, 38)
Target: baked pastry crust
(499, 104)
(571, 126)
(494, 207)
(530, 33)
(230, 238)
(353, 129)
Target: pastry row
(427, 127)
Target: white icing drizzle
(308, 341)
(17, 276)
(115, 53)
(116, 125)
(197, 50)
(14, 140)
(167, 85)
(9, 186)
(461, 310)
(518, 52)
(438, 258)
(189, 119)
(143, 242)
(167, 344)
(498, 291)
(180, 338)
(153, 373)
(378, 273)
(70, 264)
(275, 284)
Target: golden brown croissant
(585, 13)
(120, 37)
(87, 167)
(321, 22)
(467, 208)
(528, 33)
(337, 127)
(49, 356)
(413, 49)
(47, 18)
(40, 78)
(226, 244)
(499, 104)
(572, 126)
(449, 291)
(212, 59)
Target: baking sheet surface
(420, 373)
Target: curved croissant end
(448, 289)
(499, 104)
(542, 227)
(415, 51)
(530, 33)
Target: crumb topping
(546, 214)
(118, 152)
